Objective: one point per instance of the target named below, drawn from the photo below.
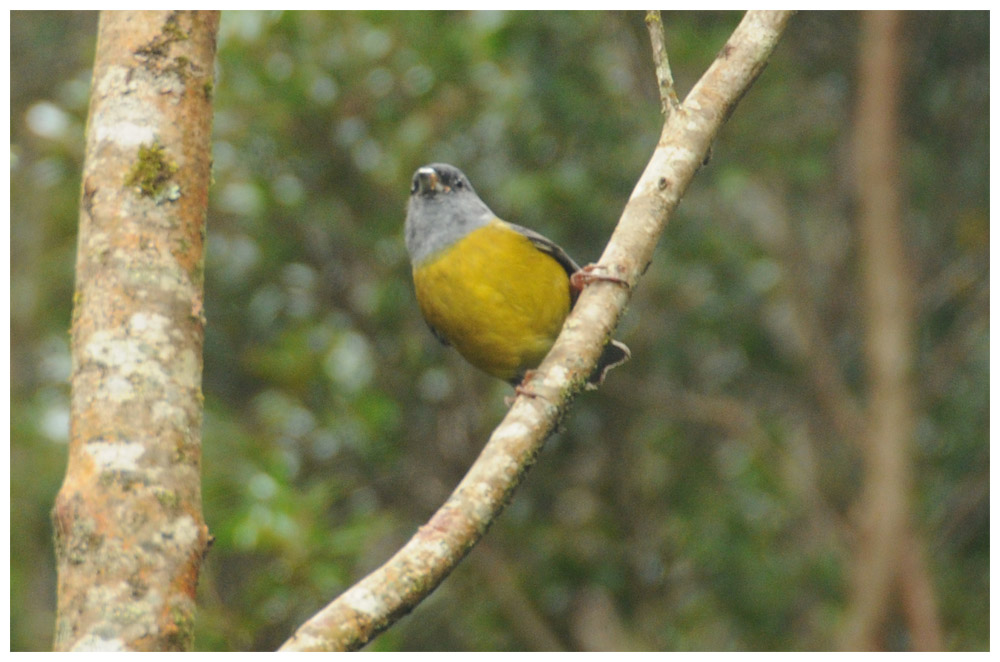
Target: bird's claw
(591, 273)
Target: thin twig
(664, 78)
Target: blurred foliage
(700, 500)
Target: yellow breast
(496, 298)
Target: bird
(495, 291)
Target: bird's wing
(546, 246)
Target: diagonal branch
(381, 598)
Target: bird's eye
(459, 184)
(414, 185)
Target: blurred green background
(701, 499)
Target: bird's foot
(593, 273)
(523, 389)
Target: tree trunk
(887, 562)
(130, 535)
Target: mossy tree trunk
(130, 535)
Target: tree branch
(503, 580)
(413, 572)
(664, 77)
(918, 596)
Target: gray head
(443, 208)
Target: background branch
(885, 554)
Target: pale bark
(130, 535)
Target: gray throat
(435, 222)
